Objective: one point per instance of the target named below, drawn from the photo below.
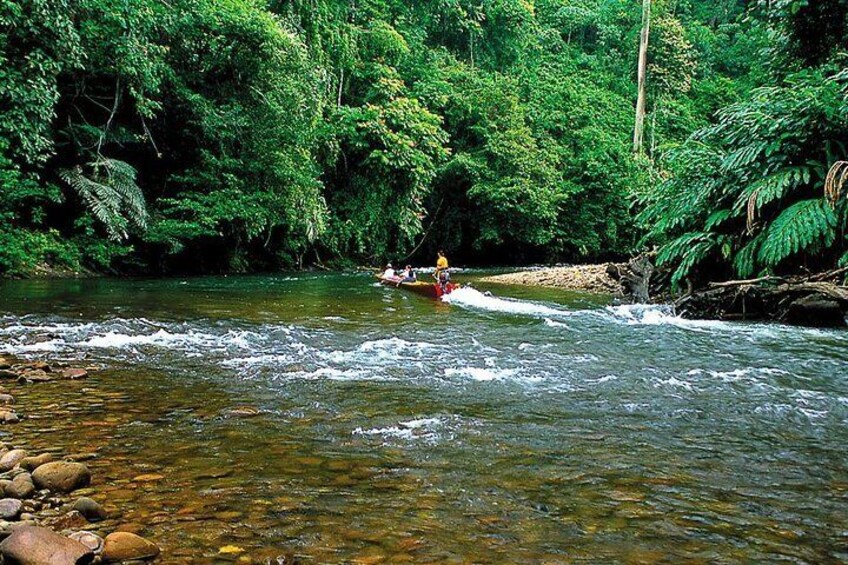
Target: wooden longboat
(428, 289)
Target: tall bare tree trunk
(639, 130)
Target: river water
(532, 426)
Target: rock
(6, 398)
(8, 417)
(21, 487)
(33, 463)
(242, 412)
(73, 520)
(37, 376)
(10, 508)
(123, 546)
(91, 540)
(148, 478)
(32, 545)
(74, 374)
(61, 476)
(11, 459)
(7, 374)
(3, 484)
(89, 508)
(817, 311)
(4, 363)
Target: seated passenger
(389, 273)
(408, 275)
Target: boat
(431, 290)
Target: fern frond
(805, 226)
(111, 195)
(836, 179)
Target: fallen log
(803, 302)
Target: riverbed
(529, 426)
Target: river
(531, 426)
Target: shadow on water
(528, 427)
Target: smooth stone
(62, 476)
(89, 539)
(21, 486)
(6, 398)
(33, 545)
(148, 478)
(90, 509)
(33, 463)
(74, 374)
(10, 508)
(123, 546)
(7, 374)
(243, 412)
(8, 417)
(73, 520)
(11, 459)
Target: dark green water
(547, 428)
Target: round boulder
(124, 546)
(21, 486)
(61, 476)
(11, 459)
(32, 545)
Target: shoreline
(49, 512)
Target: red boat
(431, 290)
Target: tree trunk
(639, 130)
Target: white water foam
(481, 373)
(473, 298)
(423, 429)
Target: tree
(639, 129)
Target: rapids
(526, 426)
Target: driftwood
(814, 300)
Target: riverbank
(589, 278)
(51, 511)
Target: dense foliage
(745, 196)
(216, 135)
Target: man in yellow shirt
(442, 272)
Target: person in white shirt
(389, 273)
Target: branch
(746, 282)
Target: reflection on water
(537, 427)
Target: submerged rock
(33, 545)
(124, 546)
(74, 374)
(62, 476)
(242, 412)
(89, 508)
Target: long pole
(639, 130)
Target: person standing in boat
(442, 273)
